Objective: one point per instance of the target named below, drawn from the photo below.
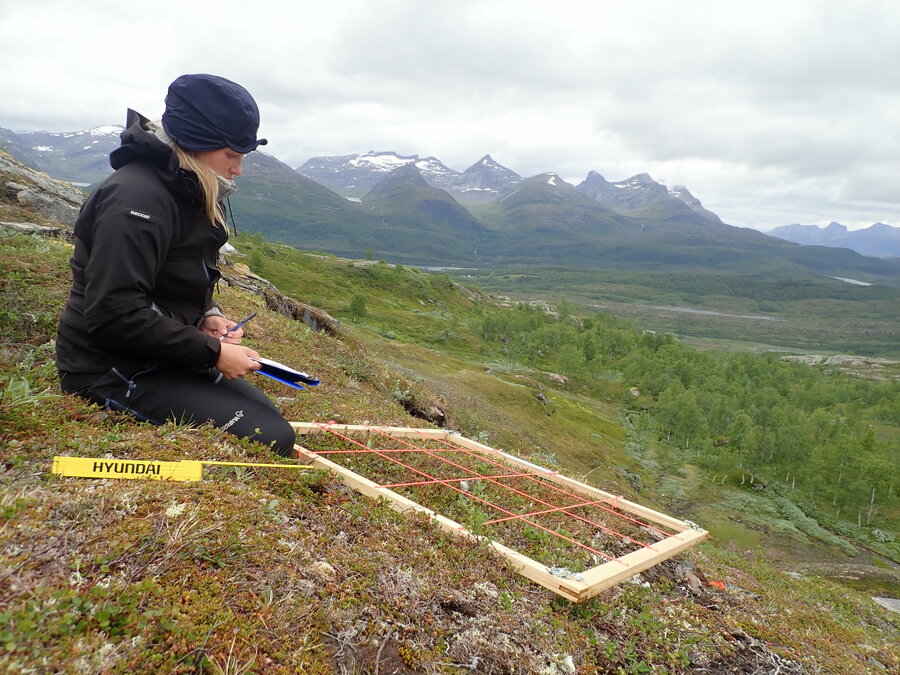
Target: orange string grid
(432, 479)
(483, 479)
(598, 503)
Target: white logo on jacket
(238, 414)
(139, 214)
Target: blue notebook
(285, 374)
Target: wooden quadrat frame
(667, 536)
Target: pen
(237, 325)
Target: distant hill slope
(879, 240)
(424, 220)
(545, 218)
(279, 203)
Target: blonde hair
(209, 181)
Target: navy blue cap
(208, 112)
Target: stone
(892, 604)
(30, 228)
(53, 199)
(48, 206)
(323, 571)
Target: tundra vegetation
(261, 570)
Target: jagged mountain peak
(545, 188)
(593, 182)
(483, 181)
(548, 178)
(635, 195)
(489, 164)
(878, 240)
(681, 193)
(552, 179)
(640, 181)
(488, 161)
(355, 175)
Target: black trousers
(155, 395)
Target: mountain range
(354, 176)
(879, 240)
(79, 157)
(416, 210)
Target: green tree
(358, 307)
(256, 262)
(681, 415)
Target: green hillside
(412, 215)
(285, 206)
(545, 219)
(401, 221)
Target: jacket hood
(139, 143)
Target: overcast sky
(769, 112)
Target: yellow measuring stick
(187, 469)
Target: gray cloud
(770, 112)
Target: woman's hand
(236, 361)
(217, 326)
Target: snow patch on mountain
(106, 130)
(386, 162)
(355, 175)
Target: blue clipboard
(285, 374)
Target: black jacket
(144, 265)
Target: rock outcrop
(53, 200)
(867, 367)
